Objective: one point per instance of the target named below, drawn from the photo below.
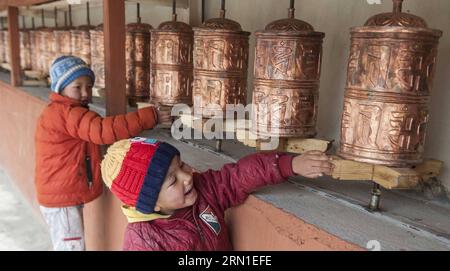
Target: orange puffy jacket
(68, 157)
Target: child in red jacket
(67, 140)
(169, 207)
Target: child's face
(79, 89)
(177, 190)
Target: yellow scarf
(134, 215)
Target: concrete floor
(20, 228)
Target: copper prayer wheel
(63, 42)
(35, 48)
(81, 43)
(220, 65)
(46, 44)
(172, 64)
(2, 43)
(2, 47)
(81, 40)
(390, 73)
(25, 47)
(138, 61)
(98, 56)
(63, 37)
(286, 78)
(50, 45)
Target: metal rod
(174, 10)
(42, 18)
(374, 204)
(138, 7)
(32, 23)
(88, 19)
(23, 23)
(222, 5)
(203, 10)
(70, 15)
(219, 145)
(65, 18)
(222, 9)
(291, 10)
(398, 6)
(56, 17)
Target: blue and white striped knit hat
(66, 69)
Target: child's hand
(312, 164)
(164, 114)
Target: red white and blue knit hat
(66, 69)
(134, 170)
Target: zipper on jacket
(202, 237)
(87, 160)
(89, 171)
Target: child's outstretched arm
(89, 126)
(231, 185)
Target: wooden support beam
(351, 170)
(395, 178)
(14, 45)
(6, 66)
(302, 145)
(246, 137)
(429, 169)
(19, 3)
(388, 177)
(114, 33)
(35, 74)
(35, 83)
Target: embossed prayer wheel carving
(172, 65)
(25, 47)
(220, 65)
(390, 73)
(98, 56)
(137, 46)
(286, 78)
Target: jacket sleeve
(91, 127)
(231, 185)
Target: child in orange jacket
(68, 157)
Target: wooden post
(14, 45)
(114, 33)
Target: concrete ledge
(258, 225)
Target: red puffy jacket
(202, 226)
